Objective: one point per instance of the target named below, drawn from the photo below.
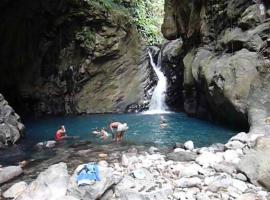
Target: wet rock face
(11, 128)
(224, 59)
(84, 58)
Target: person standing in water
(118, 129)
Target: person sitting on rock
(60, 134)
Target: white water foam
(157, 103)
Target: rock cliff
(224, 59)
(69, 56)
(11, 128)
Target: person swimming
(162, 123)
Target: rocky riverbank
(236, 170)
(11, 127)
(221, 65)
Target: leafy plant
(86, 38)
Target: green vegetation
(146, 14)
(86, 38)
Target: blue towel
(88, 174)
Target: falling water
(157, 103)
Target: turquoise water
(143, 129)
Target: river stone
(182, 156)
(218, 147)
(188, 182)
(232, 156)
(7, 173)
(234, 145)
(189, 145)
(223, 167)
(15, 190)
(202, 196)
(248, 196)
(207, 159)
(241, 137)
(147, 188)
(241, 177)
(215, 183)
(240, 185)
(50, 184)
(153, 150)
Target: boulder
(207, 159)
(182, 156)
(188, 182)
(256, 163)
(234, 145)
(218, 147)
(143, 188)
(189, 145)
(241, 137)
(232, 156)
(11, 128)
(223, 167)
(50, 184)
(248, 196)
(47, 144)
(216, 183)
(15, 190)
(172, 50)
(8, 173)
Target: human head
(63, 128)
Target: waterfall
(157, 103)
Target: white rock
(202, 196)
(240, 185)
(153, 150)
(235, 145)
(15, 190)
(207, 159)
(241, 177)
(234, 192)
(232, 156)
(50, 144)
(248, 196)
(242, 137)
(7, 173)
(188, 182)
(263, 193)
(189, 170)
(219, 167)
(178, 150)
(189, 145)
(50, 184)
(215, 183)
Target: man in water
(163, 123)
(118, 129)
(60, 133)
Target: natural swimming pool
(143, 129)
